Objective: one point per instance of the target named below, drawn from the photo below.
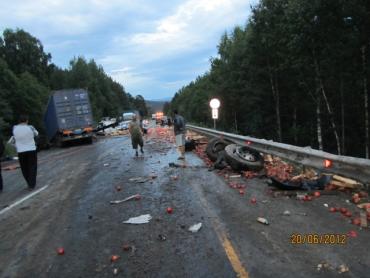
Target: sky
(151, 47)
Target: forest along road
(71, 209)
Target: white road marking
(23, 199)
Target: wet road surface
(73, 211)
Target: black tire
(89, 140)
(214, 146)
(243, 158)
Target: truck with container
(68, 117)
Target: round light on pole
(214, 103)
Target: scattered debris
(142, 219)
(136, 197)
(343, 268)
(363, 219)
(234, 176)
(142, 179)
(298, 184)
(287, 213)
(262, 220)
(174, 177)
(114, 258)
(326, 205)
(324, 266)
(11, 167)
(162, 237)
(106, 164)
(364, 206)
(352, 234)
(195, 228)
(332, 209)
(126, 247)
(251, 174)
(118, 188)
(60, 251)
(115, 271)
(345, 182)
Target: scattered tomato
(332, 209)
(363, 194)
(169, 210)
(126, 247)
(317, 194)
(114, 258)
(137, 197)
(352, 234)
(253, 200)
(348, 214)
(241, 192)
(356, 221)
(343, 210)
(60, 251)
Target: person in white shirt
(24, 139)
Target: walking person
(179, 130)
(136, 136)
(2, 149)
(24, 139)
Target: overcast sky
(151, 47)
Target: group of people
(24, 140)
(136, 131)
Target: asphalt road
(71, 209)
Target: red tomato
(137, 197)
(332, 209)
(356, 221)
(253, 200)
(348, 214)
(169, 210)
(317, 194)
(343, 210)
(114, 258)
(352, 234)
(60, 251)
(241, 192)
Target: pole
(214, 123)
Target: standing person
(179, 130)
(136, 136)
(2, 149)
(24, 137)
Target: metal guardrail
(352, 167)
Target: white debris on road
(142, 219)
(195, 228)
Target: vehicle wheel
(59, 142)
(214, 146)
(243, 158)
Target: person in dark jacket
(179, 130)
(24, 139)
(2, 149)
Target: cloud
(150, 47)
(66, 17)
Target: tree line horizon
(296, 73)
(28, 76)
